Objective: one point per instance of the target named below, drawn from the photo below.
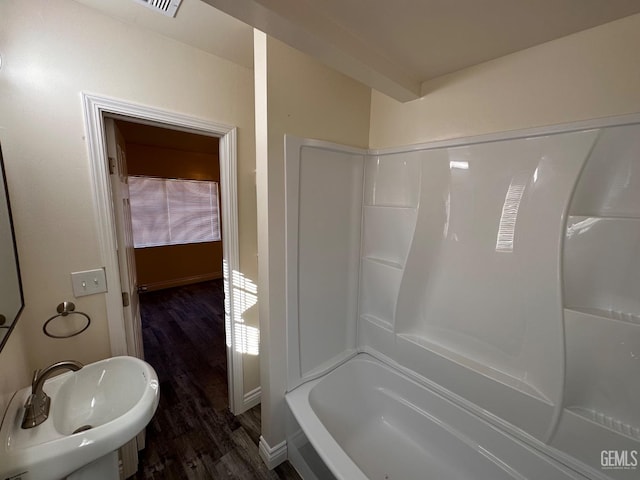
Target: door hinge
(125, 299)
(112, 165)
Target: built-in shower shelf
(607, 421)
(387, 263)
(605, 215)
(378, 321)
(390, 206)
(632, 318)
(477, 367)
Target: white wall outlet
(89, 282)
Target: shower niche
(391, 196)
(601, 265)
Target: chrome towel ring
(64, 309)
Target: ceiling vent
(166, 7)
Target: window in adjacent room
(166, 211)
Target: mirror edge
(14, 321)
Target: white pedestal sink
(94, 411)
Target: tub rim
(344, 468)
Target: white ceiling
(393, 46)
(397, 45)
(434, 37)
(196, 24)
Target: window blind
(173, 211)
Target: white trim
(252, 398)
(105, 220)
(272, 456)
(292, 148)
(323, 144)
(581, 125)
(95, 107)
(231, 257)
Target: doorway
(165, 185)
(174, 183)
(96, 109)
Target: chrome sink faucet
(36, 409)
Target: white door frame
(95, 108)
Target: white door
(116, 151)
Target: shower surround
(500, 275)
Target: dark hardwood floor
(193, 435)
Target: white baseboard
(251, 399)
(272, 456)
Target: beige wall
(14, 371)
(295, 94)
(51, 51)
(590, 74)
(165, 162)
(169, 266)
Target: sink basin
(94, 411)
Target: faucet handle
(36, 375)
(32, 397)
(29, 403)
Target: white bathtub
(366, 420)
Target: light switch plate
(88, 282)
